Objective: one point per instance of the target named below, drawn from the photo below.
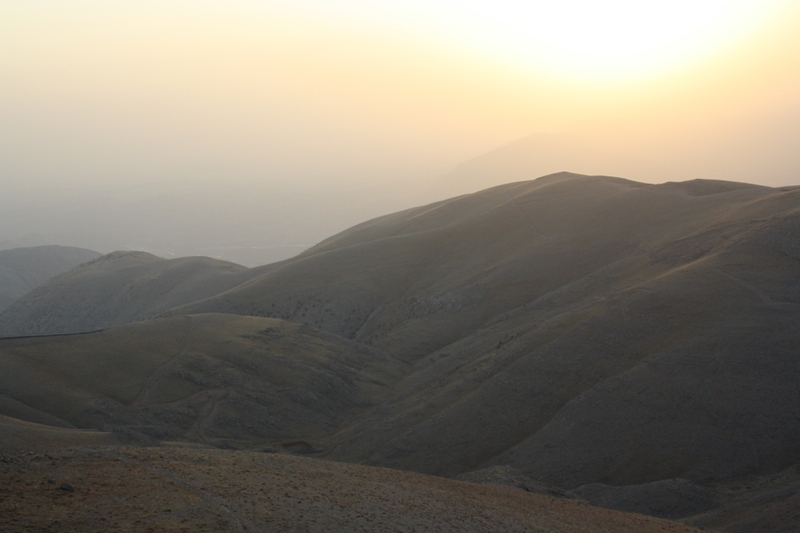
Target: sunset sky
(249, 130)
(107, 91)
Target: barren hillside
(202, 490)
(118, 288)
(224, 380)
(24, 269)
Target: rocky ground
(178, 489)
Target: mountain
(580, 329)
(24, 269)
(633, 343)
(249, 220)
(117, 288)
(532, 156)
(740, 147)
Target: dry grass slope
(200, 490)
(230, 381)
(118, 288)
(23, 269)
(581, 329)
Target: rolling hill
(551, 324)
(24, 269)
(118, 288)
(224, 380)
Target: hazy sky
(392, 93)
(98, 90)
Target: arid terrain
(24, 269)
(167, 489)
(556, 344)
(118, 288)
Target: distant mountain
(250, 222)
(526, 159)
(117, 288)
(741, 148)
(23, 269)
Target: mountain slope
(417, 280)
(217, 379)
(581, 329)
(23, 269)
(118, 288)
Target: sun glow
(92, 89)
(574, 38)
(613, 38)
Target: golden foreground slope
(150, 489)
